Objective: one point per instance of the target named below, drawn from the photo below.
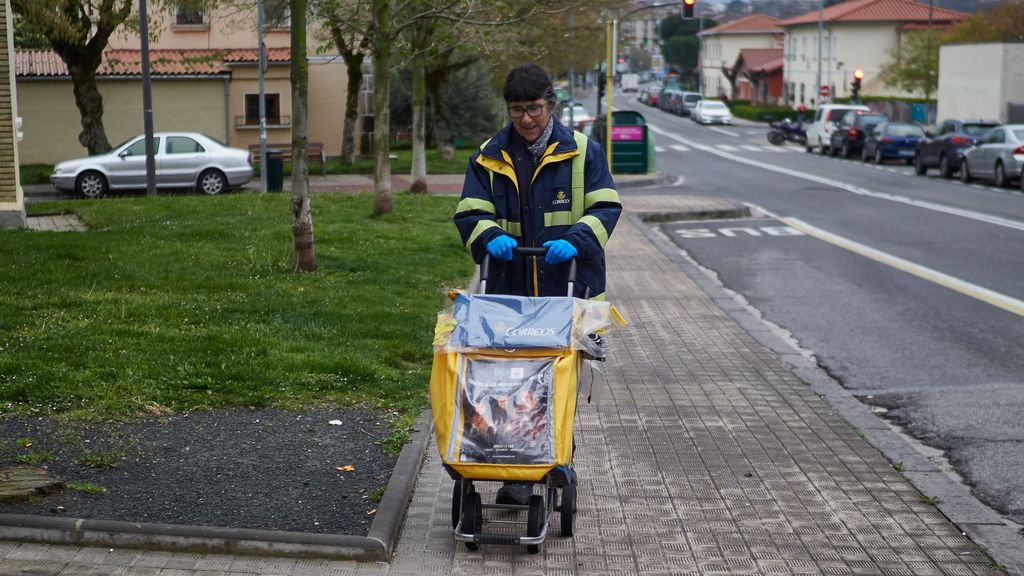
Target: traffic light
(858, 74)
(688, 9)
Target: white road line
(723, 131)
(727, 147)
(774, 148)
(970, 214)
(658, 149)
(751, 148)
(996, 299)
(679, 148)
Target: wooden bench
(315, 153)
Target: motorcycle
(786, 131)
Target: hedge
(758, 113)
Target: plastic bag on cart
(505, 412)
(478, 321)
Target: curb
(979, 522)
(626, 181)
(377, 545)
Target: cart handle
(485, 266)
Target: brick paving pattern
(55, 223)
(702, 454)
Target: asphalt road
(907, 289)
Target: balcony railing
(247, 123)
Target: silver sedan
(183, 160)
(997, 155)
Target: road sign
(825, 91)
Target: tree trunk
(382, 117)
(419, 127)
(90, 107)
(437, 83)
(349, 146)
(421, 35)
(444, 141)
(301, 212)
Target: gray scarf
(537, 148)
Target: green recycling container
(275, 170)
(631, 151)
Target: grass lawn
(189, 303)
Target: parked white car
(711, 112)
(826, 117)
(579, 116)
(183, 160)
(997, 155)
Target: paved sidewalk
(703, 453)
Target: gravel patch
(235, 468)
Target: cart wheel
(472, 517)
(535, 521)
(568, 509)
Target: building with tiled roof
(722, 45)
(758, 75)
(47, 64)
(856, 34)
(204, 69)
(861, 11)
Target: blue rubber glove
(501, 247)
(559, 251)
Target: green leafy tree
(915, 65)
(1001, 23)
(78, 31)
(680, 46)
(383, 25)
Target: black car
(944, 149)
(848, 137)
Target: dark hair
(528, 82)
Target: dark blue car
(892, 140)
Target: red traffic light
(858, 73)
(688, 9)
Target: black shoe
(511, 493)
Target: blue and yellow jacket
(572, 197)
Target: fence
(898, 111)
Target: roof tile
(46, 63)
(878, 11)
(753, 24)
(762, 59)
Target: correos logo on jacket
(560, 199)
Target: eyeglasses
(533, 110)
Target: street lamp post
(821, 30)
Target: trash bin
(275, 170)
(631, 150)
